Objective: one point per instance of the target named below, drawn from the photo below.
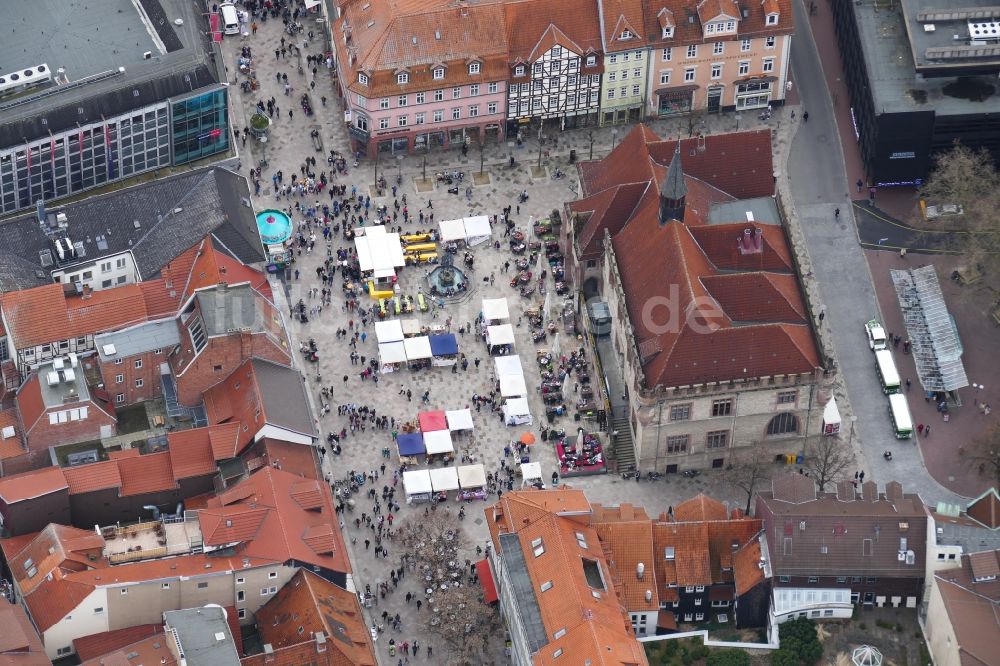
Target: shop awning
(417, 482)
(471, 476)
(512, 386)
(392, 352)
(388, 331)
(431, 421)
(410, 444)
(437, 442)
(495, 308)
(757, 79)
(444, 344)
(410, 327)
(459, 419)
(500, 335)
(509, 365)
(444, 479)
(677, 91)
(417, 348)
(485, 574)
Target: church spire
(673, 190)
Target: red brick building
(58, 407)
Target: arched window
(785, 423)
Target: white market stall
(417, 349)
(472, 479)
(831, 418)
(444, 479)
(378, 250)
(391, 355)
(495, 309)
(459, 419)
(509, 365)
(438, 442)
(390, 330)
(531, 473)
(516, 412)
(502, 334)
(411, 327)
(513, 386)
(417, 485)
(452, 230)
(477, 230)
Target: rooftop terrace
(150, 540)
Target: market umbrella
(528, 438)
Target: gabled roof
(11, 447)
(146, 474)
(700, 507)
(316, 605)
(973, 609)
(95, 476)
(985, 509)
(631, 544)
(535, 26)
(20, 644)
(191, 452)
(224, 439)
(30, 485)
(709, 10)
(96, 645)
(232, 524)
(308, 494)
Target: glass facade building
(91, 155)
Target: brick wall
(125, 392)
(221, 356)
(43, 435)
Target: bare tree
(985, 454)
(466, 624)
(969, 179)
(827, 460)
(748, 469)
(432, 542)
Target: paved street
(818, 187)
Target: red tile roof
(225, 440)
(237, 400)
(146, 474)
(20, 644)
(29, 485)
(700, 507)
(631, 544)
(985, 509)
(752, 25)
(96, 645)
(95, 476)
(191, 453)
(231, 524)
(11, 447)
(620, 15)
(307, 494)
(30, 403)
(535, 26)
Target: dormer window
(626, 34)
(710, 28)
(771, 19)
(668, 32)
(438, 73)
(402, 78)
(474, 68)
(519, 70)
(363, 79)
(591, 60)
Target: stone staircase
(624, 449)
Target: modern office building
(922, 74)
(108, 93)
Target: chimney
(221, 286)
(751, 242)
(649, 596)
(758, 238)
(640, 570)
(87, 291)
(320, 642)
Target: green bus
(899, 412)
(887, 373)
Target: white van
(230, 19)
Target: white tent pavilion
(513, 386)
(509, 365)
(477, 230)
(531, 472)
(831, 418)
(502, 334)
(388, 331)
(378, 249)
(516, 412)
(471, 476)
(410, 327)
(452, 230)
(417, 485)
(459, 419)
(444, 479)
(495, 308)
(437, 442)
(417, 348)
(392, 352)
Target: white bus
(899, 412)
(230, 19)
(887, 373)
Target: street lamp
(850, 441)
(399, 169)
(541, 123)
(482, 158)
(263, 145)
(614, 138)
(376, 164)
(424, 176)
(591, 135)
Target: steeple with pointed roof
(673, 190)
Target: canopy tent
(513, 386)
(383, 273)
(509, 365)
(388, 331)
(531, 472)
(495, 308)
(471, 476)
(443, 344)
(452, 230)
(410, 327)
(444, 479)
(437, 442)
(477, 229)
(516, 412)
(312, 3)
(417, 348)
(431, 421)
(378, 249)
(502, 334)
(831, 418)
(410, 444)
(417, 484)
(392, 352)
(459, 419)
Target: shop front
(419, 140)
(675, 101)
(754, 93)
